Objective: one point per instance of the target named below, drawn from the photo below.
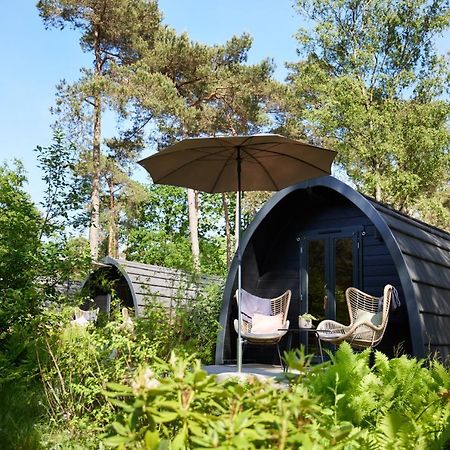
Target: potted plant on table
(305, 320)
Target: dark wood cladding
(426, 250)
(395, 249)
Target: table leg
(288, 348)
(320, 345)
(289, 341)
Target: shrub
(188, 409)
(396, 404)
(189, 327)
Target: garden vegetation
(109, 385)
(370, 84)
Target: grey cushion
(251, 304)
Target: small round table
(313, 330)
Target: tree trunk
(378, 193)
(193, 226)
(94, 227)
(227, 228)
(236, 224)
(112, 222)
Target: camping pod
(134, 285)
(320, 237)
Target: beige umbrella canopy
(262, 162)
(267, 162)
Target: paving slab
(265, 370)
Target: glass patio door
(329, 264)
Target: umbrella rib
(207, 154)
(292, 157)
(264, 168)
(228, 159)
(204, 155)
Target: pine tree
(115, 32)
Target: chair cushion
(259, 338)
(328, 335)
(366, 316)
(262, 323)
(251, 304)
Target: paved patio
(265, 370)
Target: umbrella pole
(239, 255)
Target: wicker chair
(368, 319)
(279, 306)
(127, 321)
(84, 318)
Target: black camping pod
(319, 237)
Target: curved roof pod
(134, 282)
(418, 253)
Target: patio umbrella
(262, 162)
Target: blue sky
(35, 59)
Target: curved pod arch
(389, 226)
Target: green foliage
(184, 88)
(75, 363)
(20, 411)
(163, 84)
(31, 271)
(344, 404)
(60, 370)
(342, 386)
(63, 371)
(159, 248)
(370, 86)
(116, 33)
(187, 88)
(160, 233)
(20, 226)
(190, 327)
(397, 401)
(188, 409)
(62, 194)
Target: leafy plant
(189, 409)
(189, 327)
(308, 316)
(342, 404)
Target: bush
(396, 404)
(76, 363)
(19, 248)
(189, 328)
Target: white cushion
(80, 321)
(263, 336)
(262, 324)
(365, 316)
(328, 335)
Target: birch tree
(372, 86)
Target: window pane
(316, 279)
(344, 277)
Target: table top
(298, 329)
(310, 329)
